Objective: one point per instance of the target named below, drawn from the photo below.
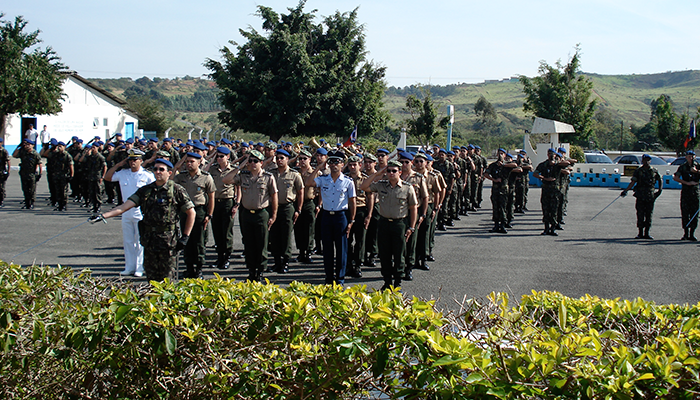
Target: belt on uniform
(334, 212)
(148, 229)
(391, 219)
(252, 211)
(223, 199)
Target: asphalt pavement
(598, 257)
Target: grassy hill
(625, 97)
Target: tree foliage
(424, 122)
(671, 127)
(31, 78)
(563, 94)
(150, 112)
(301, 78)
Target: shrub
(66, 335)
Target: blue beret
(470, 146)
(442, 151)
(181, 145)
(450, 152)
(167, 139)
(194, 155)
(74, 138)
(523, 151)
(436, 145)
(322, 151)
(385, 151)
(118, 134)
(562, 150)
(61, 144)
(464, 148)
(405, 155)
(260, 144)
(283, 152)
(225, 141)
(223, 150)
(502, 150)
(301, 142)
(250, 143)
(551, 150)
(210, 143)
(97, 137)
(198, 146)
(690, 152)
(455, 147)
(110, 144)
(130, 140)
(53, 142)
(244, 144)
(1, 140)
(646, 156)
(322, 140)
(88, 146)
(559, 154)
(509, 155)
(155, 140)
(143, 142)
(79, 141)
(29, 141)
(399, 150)
(163, 161)
(429, 157)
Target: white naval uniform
(129, 182)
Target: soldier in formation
(688, 175)
(644, 180)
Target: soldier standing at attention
(563, 183)
(321, 158)
(129, 180)
(548, 171)
(4, 171)
(688, 176)
(363, 215)
(644, 181)
(225, 206)
(510, 173)
(370, 161)
(337, 216)
(420, 188)
(95, 168)
(290, 198)
(447, 170)
(61, 172)
(522, 182)
(76, 184)
(397, 201)
(304, 227)
(258, 194)
(30, 163)
(427, 226)
(201, 189)
(496, 172)
(161, 202)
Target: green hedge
(74, 336)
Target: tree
(150, 112)
(424, 122)
(31, 82)
(561, 93)
(671, 128)
(301, 78)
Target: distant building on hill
(88, 111)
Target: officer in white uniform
(130, 178)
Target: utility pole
(622, 127)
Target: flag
(352, 139)
(691, 134)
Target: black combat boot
(495, 228)
(198, 271)
(646, 234)
(691, 235)
(546, 229)
(284, 266)
(640, 235)
(189, 271)
(685, 234)
(223, 261)
(408, 274)
(422, 265)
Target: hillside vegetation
(622, 98)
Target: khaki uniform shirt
(433, 186)
(361, 195)
(310, 192)
(289, 183)
(222, 191)
(394, 202)
(417, 180)
(255, 189)
(197, 187)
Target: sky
(419, 42)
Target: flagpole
(451, 116)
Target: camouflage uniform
(690, 197)
(550, 193)
(645, 179)
(94, 165)
(499, 193)
(447, 169)
(77, 181)
(29, 159)
(158, 229)
(522, 183)
(58, 167)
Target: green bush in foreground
(68, 336)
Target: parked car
(598, 158)
(633, 159)
(678, 161)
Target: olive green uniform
(645, 179)
(160, 206)
(29, 160)
(306, 222)
(253, 218)
(420, 188)
(197, 187)
(289, 183)
(222, 220)
(358, 233)
(59, 176)
(690, 197)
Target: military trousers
(305, 226)
(194, 250)
(431, 232)
(335, 245)
(50, 178)
(356, 241)
(423, 235)
(60, 186)
(549, 199)
(392, 244)
(690, 203)
(645, 209)
(94, 195)
(222, 225)
(28, 188)
(281, 231)
(520, 193)
(158, 255)
(3, 192)
(499, 201)
(371, 237)
(255, 234)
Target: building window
(104, 122)
(106, 133)
(95, 123)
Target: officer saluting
(397, 200)
(258, 194)
(160, 202)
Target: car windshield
(658, 161)
(598, 159)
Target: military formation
(352, 207)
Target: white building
(88, 111)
